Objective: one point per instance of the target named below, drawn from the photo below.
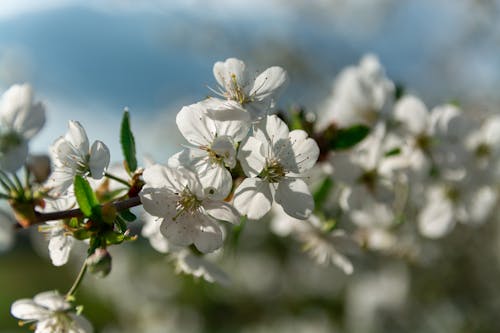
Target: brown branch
(67, 214)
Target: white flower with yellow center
(275, 158)
(72, 156)
(186, 209)
(50, 313)
(20, 120)
(214, 140)
(256, 94)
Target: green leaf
(393, 152)
(127, 215)
(82, 234)
(121, 224)
(128, 143)
(346, 138)
(114, 238)
(85, 196)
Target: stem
(118, 179)
(67, 214)
(78, 280)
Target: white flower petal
(251, 157)
(158, 201)
(77, 136)
(182, 230)
(26, 309)
(305, 152)
(229, 72)
(221, 211)
(294, 196)
(99, 159)
(269, 84)
(271, 129)
(413, 114)
(436, 219)
(59, 248)
(253, 198)
(196, 127)
(80, 324)
(208, 237)
(52, 300)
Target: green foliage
(345, 138)
(128, 144)
(85, 196)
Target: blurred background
(87, 60)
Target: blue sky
(88, 60)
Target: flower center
(273, 172)
(236, 92)
(187, 203)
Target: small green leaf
(121, 223)
(82, 234)
(114, 238)
(85, 196)
(128, 143)
(127, 215)
(393, 152)
(346, 138)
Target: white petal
(99, 159)
(269, 84)
(221, 211)
(436, 219)
(158, 201)
(216, 180)
(52, 300)
(195, 125)
(19, 114)
(305, 152)
(59, 248)
(77, 136)
(253, 198)
(231, 69)
(200, 267)
(26, 309)
(208, 237)
(180, 231)
(151, 230)
(251, 157)
(60, 180)
(294, 196)
(413, 114)
(223, 146)
(232, 119)
(271, 129)
(80, 324)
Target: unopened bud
(39, 166)
(99, 263)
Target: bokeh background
(87, 60)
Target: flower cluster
(194, 189)
(374, 169)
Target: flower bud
(39, 166)
(99, 263)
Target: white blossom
(51, 313)
(197, 266)
(256, 94)
(72, 156)
(275, 159)
(214, 141)
(187, 210)
(20, 120)
(360, 94)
